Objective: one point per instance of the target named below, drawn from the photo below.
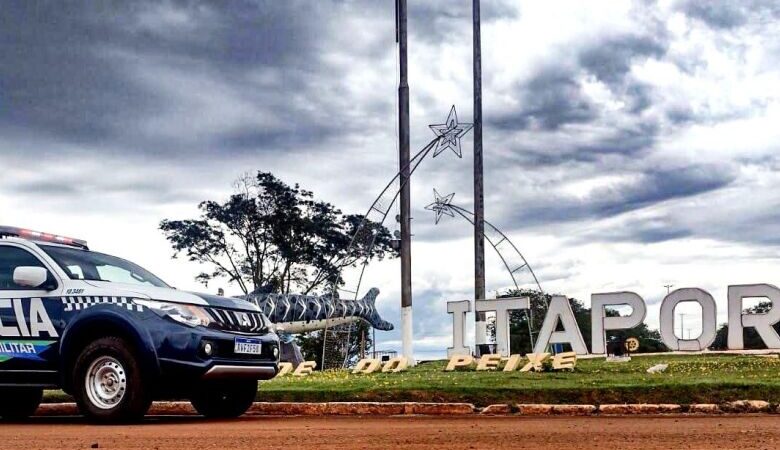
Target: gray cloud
(434, 21)
(550, 99)
(119, 70)
(729, 14)
(611, 60)
(723, 14)
(651, 187)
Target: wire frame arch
(513, 260)
(336, 340)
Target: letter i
(20, 320)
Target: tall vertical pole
(479, 199)
(406, 233)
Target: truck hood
(170, 295)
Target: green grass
(689, 379)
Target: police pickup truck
(117, 337)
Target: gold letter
(564, 361)
(535, 361)
(513, 363)
(489, 362)
(305, 368)
(367, 366)
(284, 369)
(395, 365)
(459, 361)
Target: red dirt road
(722, 432)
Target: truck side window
(10, 259)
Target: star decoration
(441, 205)
(449, 134)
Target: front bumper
(182, 356)
(223, 372)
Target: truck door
(28, 335)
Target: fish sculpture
(295, 313)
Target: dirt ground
(722, 432)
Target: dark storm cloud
(728, 14)
(722, 14)
(149, 190)
(52, 81)
(650, 187)
(644, 231)
(550, 99)
(435, 21)
(628, 141)
(77, 69)
(554, 96)
(610, 60)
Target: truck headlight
(190, 315)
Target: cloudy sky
(628, 145)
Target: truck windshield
(92, 266)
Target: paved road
(402, 433)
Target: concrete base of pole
(407, 335)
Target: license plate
(247, 346)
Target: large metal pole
(406, 232)
(479, 199)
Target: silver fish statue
(297, 313)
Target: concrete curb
(446, 409)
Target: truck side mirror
(31, 277)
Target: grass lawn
(689, 379)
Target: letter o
(708, 319)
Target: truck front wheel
(19, 403)
(108, 382)
(225, 399)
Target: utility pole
(682, 325)
(479, 198)
(403, 139)
(668, 288)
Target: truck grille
(237, 321)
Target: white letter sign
(502, 306)
(560, 309)
(708, 319)
(763, 323)
(600, 324)
(458, 311)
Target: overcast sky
(628, 145)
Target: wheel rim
(106, 382)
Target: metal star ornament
(441, 205)
(450, 134)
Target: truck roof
(38, 236)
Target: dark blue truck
(116, 337)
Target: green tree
(519, 342)
(271, 234)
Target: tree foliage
(270, 235)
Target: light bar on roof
(40, 236)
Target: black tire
(131, 397)
(19, 403)
(226, 399)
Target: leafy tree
(649, 340)
(272, 236)
(269, 235)
(750, 336)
